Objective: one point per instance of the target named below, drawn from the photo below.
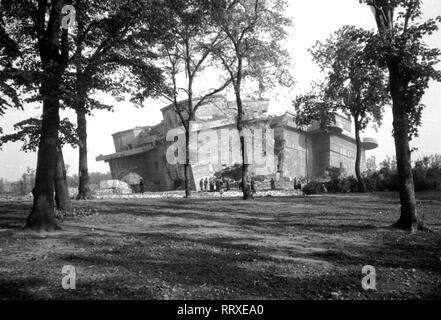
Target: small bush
(314, 188)
(339, 182)
(426, 174)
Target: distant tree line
(21, 187)
(426, 174)
(95, 178)
(384, 177)
(24, 185)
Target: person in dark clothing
(297, 184)
(273, 184)
(205, 184)
(253, 186)
(211, 185)
(141, 186)
(221, 187)
(227, 184)
(201, 184)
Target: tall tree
(187, 49)
(254, 30)
(112, 54)
(354, 86)
(35, 27)
(15, 81)
(12, 80)
(400, 46)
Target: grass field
(269, 248)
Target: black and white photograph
(220, 154)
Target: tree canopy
(28, 132)
(354, 84)
(401, 40)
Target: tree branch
(212, 93)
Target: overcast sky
(313, 20)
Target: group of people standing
(297, 184)
(214, 184)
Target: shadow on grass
(174, 255)
(245, 270)
(205, 271)
(20, 288)
(13, 214)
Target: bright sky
(313, 20)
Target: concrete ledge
(124, 153)
(370, 143)
(336, 128)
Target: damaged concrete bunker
(298, 152)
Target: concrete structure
(300, 152)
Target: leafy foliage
(426, 172)
(340, 183)
(187, 49)
(28, 132)
(400, 44)
(354, 84)
(312, 107)
(13, 80)
(113, 52)
(253, 49)
(108, 49)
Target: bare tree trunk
(60, 181)
(361, 182)
(83, 172)
(42, 217)
(187, 163)
(54, 62)
(409, 218)
(80, 108)
(246, 189)
(398, 84)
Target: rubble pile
(201, 195)
(113, 187)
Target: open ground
(269, 248)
